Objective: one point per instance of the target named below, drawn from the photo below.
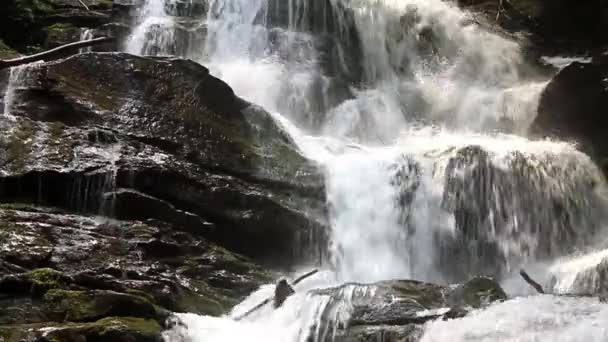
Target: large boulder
(573, 106)
(116, 134)
(396, 310)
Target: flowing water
(418, 117)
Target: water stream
(419, 119)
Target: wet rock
(119, 329)
(86, 306)
(483, 210)
(27, 24)
(113, 262)
(395, 310)
(172, 133)
(382, 333)
(559, 26)
(571, 107)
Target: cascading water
(418, 117)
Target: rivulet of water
(419, 118)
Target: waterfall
(86, 34)
(419, 118)
(15, 80)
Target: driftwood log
(56, 53)
(270, 299)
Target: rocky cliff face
(123, 181)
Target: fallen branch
(84, 5)
(304, 276)
(270, 299)
(58, 52)
(531, 282)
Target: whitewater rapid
(419, 124)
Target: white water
(429, 175)
(86, 34)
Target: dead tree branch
(56, 53)
(84, 5)
(270, 299)
(531, 282)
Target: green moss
(65, 305)
(481, 291)
(56, 130)
(16, 206)
(83, 306)
(18, 144)
(18, 332)
(60, 34)
(141, 294)
(6, 52)
(45, 279)
(204, 304)
(140, 325)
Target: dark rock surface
(557, 26)
(30, 25)
(127, 185)
(176, 136)
(67, 268)
(573, 107)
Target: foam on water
(532, 319)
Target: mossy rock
(6, 52)
(45, 279)
(476, 293)
(80, 306)
(116, 329)
(60, 34)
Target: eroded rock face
(121, 177)
(107, 279)
(176, 138)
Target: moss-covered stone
(18, 144)
(476, 293)
(116, 329)
(45, 279)
(60, 34)
(82, 306)
(6, 52)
